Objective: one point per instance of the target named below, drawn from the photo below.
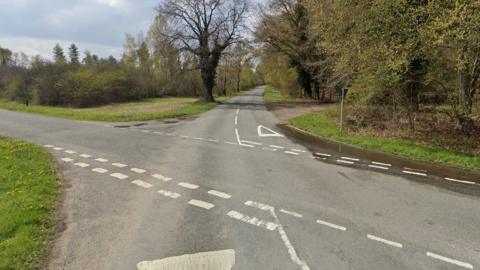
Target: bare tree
(205, 28)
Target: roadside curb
(446, 171)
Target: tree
(454, 29)
(58, 54)
(73, 54)
(5, 57)
(205, 29)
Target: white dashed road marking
(323, 155)
(449, 260)
(213, 140)
(199, 139)
(351, 159)
(459, 181)
(381, 163)
(277, 146)
(141, 183)
(161, 177)
(119, 165)
(231, 143)
(236, 120)
(67, 159)
(101, 160)
(270, 149)
(158, 132)
(82, 165)
(253, 220)
(48, 146)
(378, 167)
(385, 241)
(100, 170)
(119, 176)
(345, 161)
(58, 148)
(219, 194)
(188, 185)
(415, 173)
(331, 225)
(250, 142)
(291, 153)
(70, 152)
(261, 206)
(184, 136)
(298, 150)
(137, 170)
(85, 156)
(201, 204)
(291, 213)
(169, 194)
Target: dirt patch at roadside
(287, 110)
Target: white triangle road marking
(269, 132)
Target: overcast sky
(35, 26)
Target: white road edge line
(297, 215)
(459, 181)
(415, 173)
(101, 160)
(385, 241)
(219, 194)
(236, 120)
(449, 260)
(201, 204)
(378, 167)
(291, 153)
(298, 150)
(331, 225)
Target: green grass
(28, 197)
(321, 124)
(272, 95)
(148, 109)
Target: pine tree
(58, 54)
(73, 54)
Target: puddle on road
(316, 144)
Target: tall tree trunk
(208, 78)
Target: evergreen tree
(58, 54)
(73, 54)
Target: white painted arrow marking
(270, 133)
(215, 260)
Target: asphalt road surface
(227, 188)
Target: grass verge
(148, 109)
(272, 95)
(323, 125)
(28, 196)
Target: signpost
(342, 92)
